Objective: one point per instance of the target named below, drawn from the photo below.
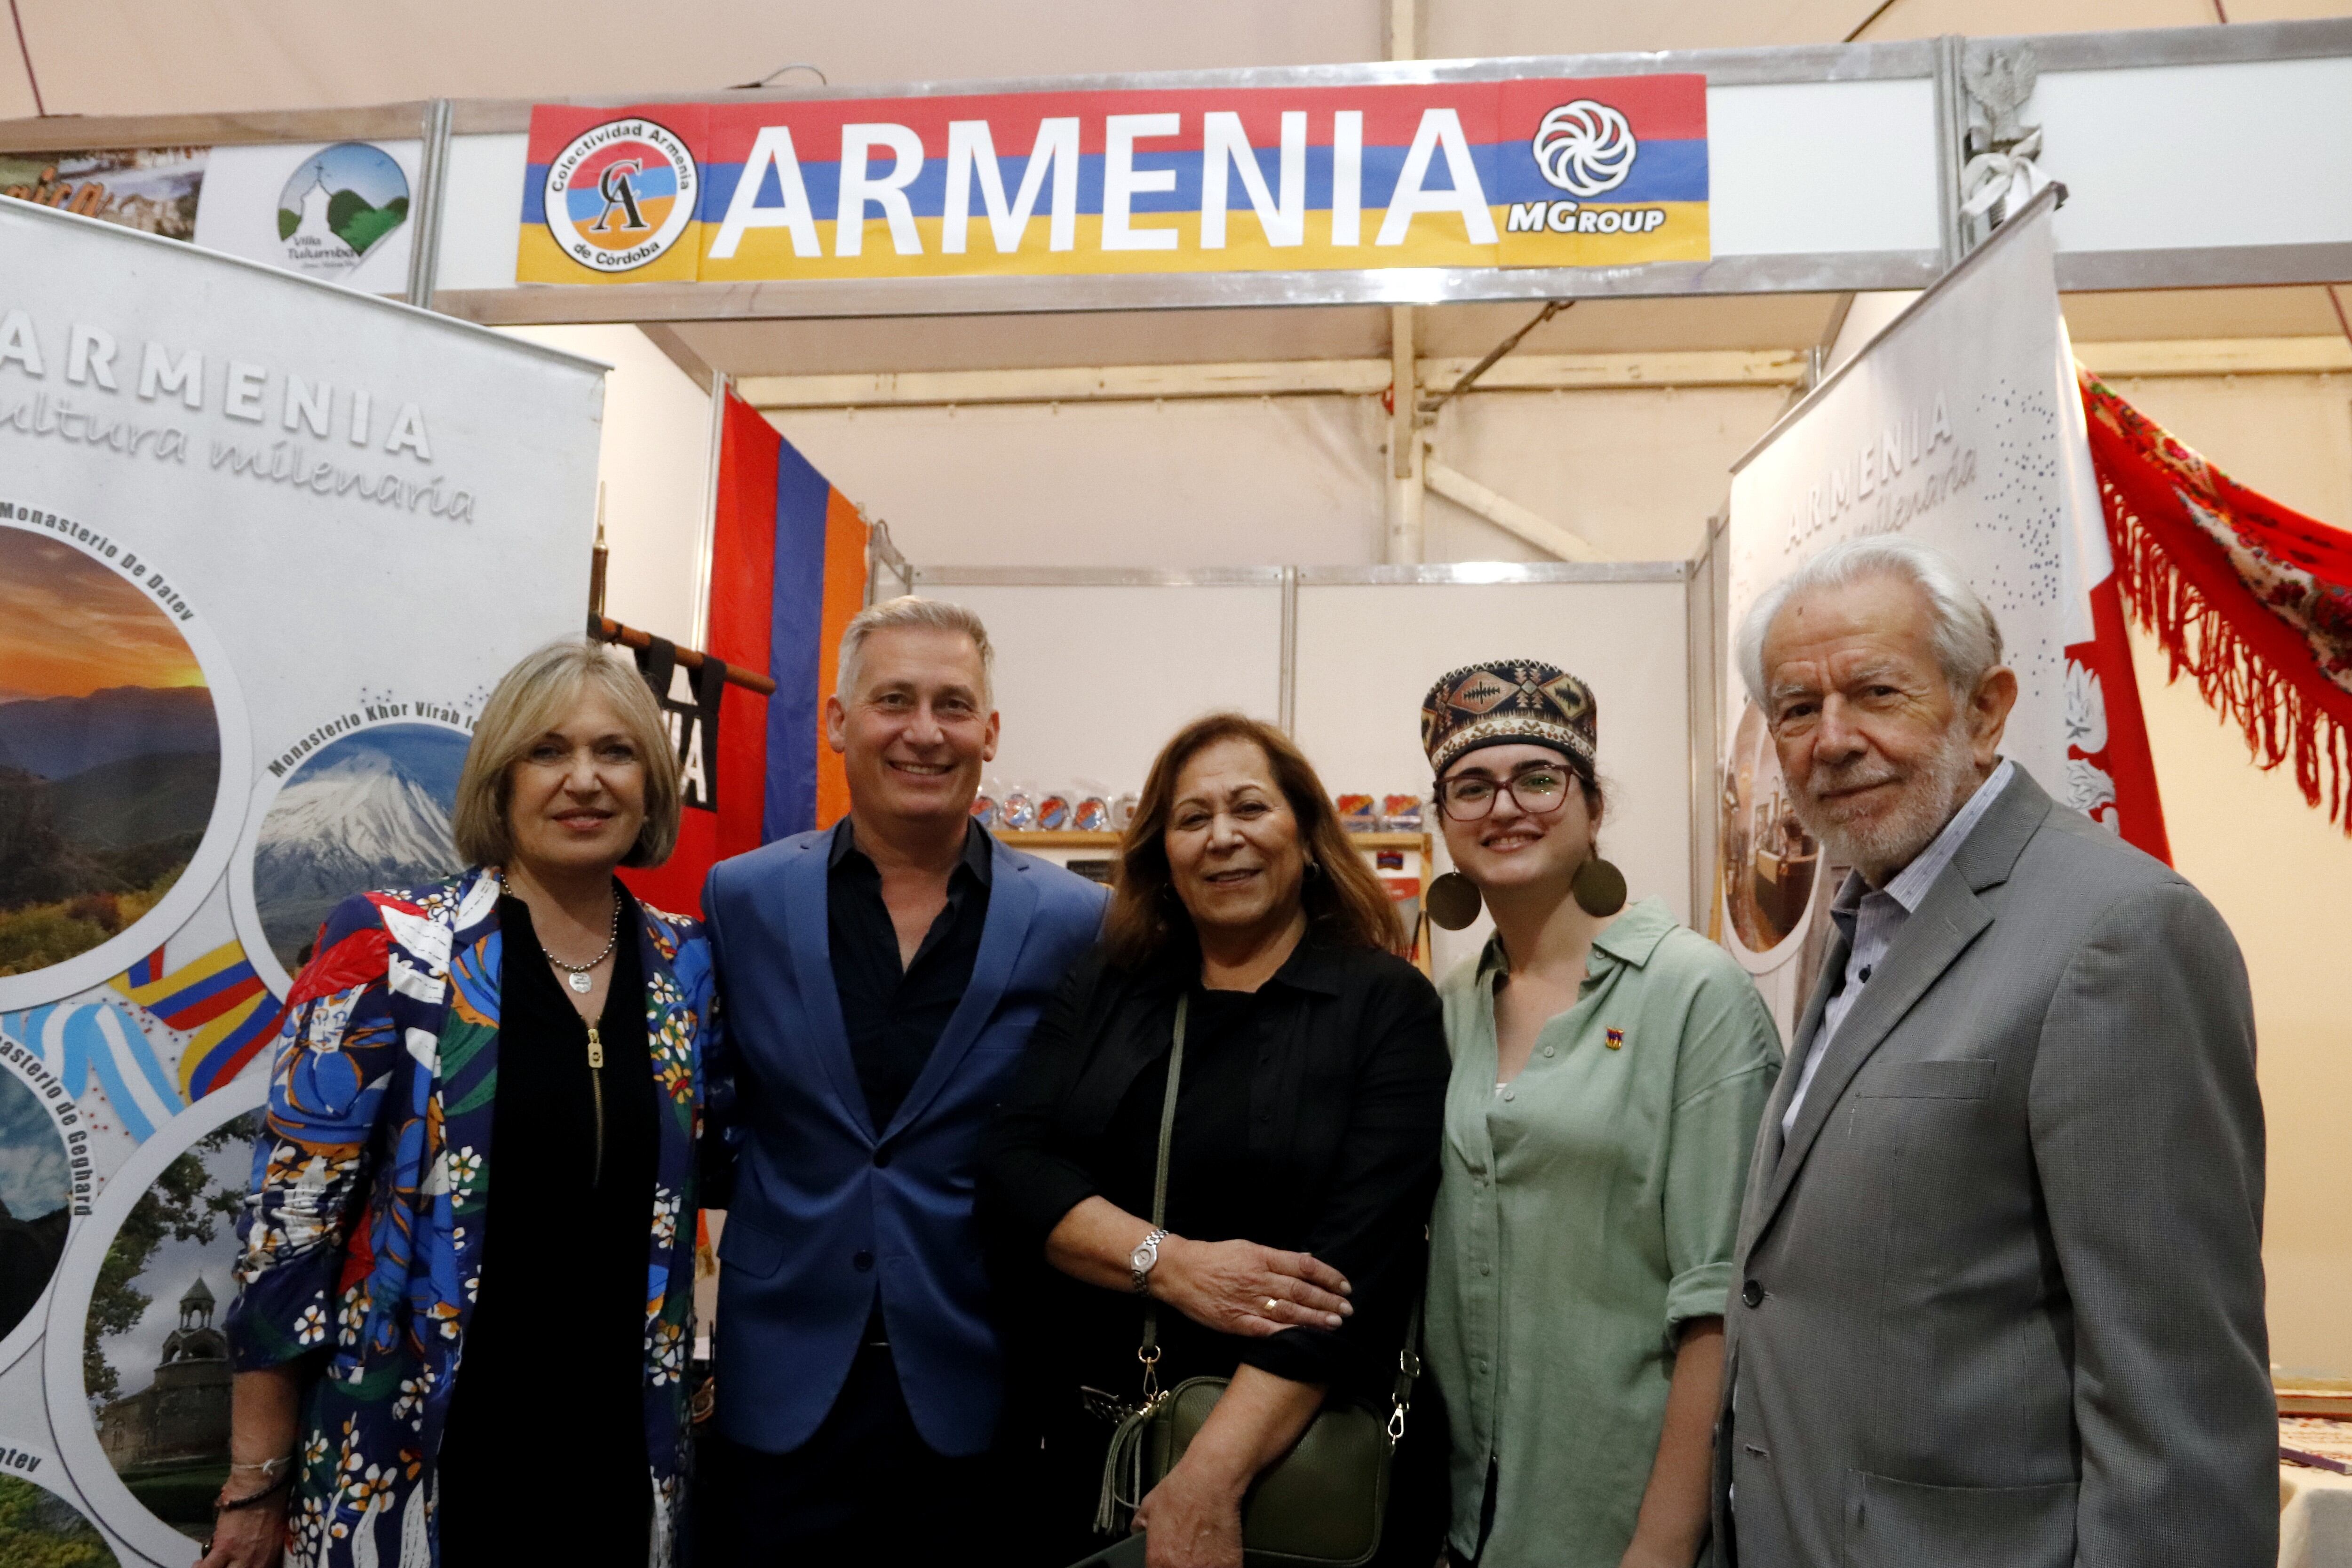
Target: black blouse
(1307, 1118)
(555, 1352)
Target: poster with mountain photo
(110, 753)
(266, 545)
(370, 809)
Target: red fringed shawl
(2251, 598)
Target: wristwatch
(1145, 1257)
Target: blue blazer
(829, 1213)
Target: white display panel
(2165, 157)
(1093, 681)
(1821, 166)
(1366, 655)
(481, 194)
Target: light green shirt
(1587, 1210)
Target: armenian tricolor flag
(787, 572)
(221, 998)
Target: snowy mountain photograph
(368, 810)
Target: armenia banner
(1544, 172)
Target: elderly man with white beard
(1999, 1279)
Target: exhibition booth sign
(265, 544)
(1540, 171)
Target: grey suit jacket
(1999, 1294)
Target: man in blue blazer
(880, 979)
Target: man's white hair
(908, 612)
(1966, 638)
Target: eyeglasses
(1537, 790)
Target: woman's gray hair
(1966, 636)
(908, 612)
(533, 698)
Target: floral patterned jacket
(363, 1231)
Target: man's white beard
(1931, 798)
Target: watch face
(1143, 1257)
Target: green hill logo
(338, 205)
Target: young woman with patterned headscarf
(1610, 1069)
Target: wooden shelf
(1418, 841)
(1106, 844)
(1071, 839)
(1056, 838)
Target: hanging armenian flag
(787, 572)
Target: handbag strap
(1148, 1353)
(1408, 1369)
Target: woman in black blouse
(1303, 1157)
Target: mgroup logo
(1588, 148)
(1584, 148)
(619, 195)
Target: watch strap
(1140, 1273)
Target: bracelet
(222, 1505)
(270, 1468)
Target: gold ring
(1271, 1304)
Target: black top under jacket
(895, 1016)
(555, 1354)
(1308, 1119)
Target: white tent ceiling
(103, 58)
(155, 56)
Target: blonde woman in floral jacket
(468, 1252)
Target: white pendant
(578, 983)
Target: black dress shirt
(1308, 1118)
(896, 1014)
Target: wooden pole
(599, 558)
(606, 629)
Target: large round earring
(1452, 901)
(1598, 888)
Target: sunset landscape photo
(110, 753)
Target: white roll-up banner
(266, 545)
(1958, 425)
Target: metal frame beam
(432, 190)
(1523, 522)
(2306, 355)
(547, 305)
(1268, 378)
(1455, 574)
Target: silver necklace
(576, 974)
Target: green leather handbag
(1319, 1506)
